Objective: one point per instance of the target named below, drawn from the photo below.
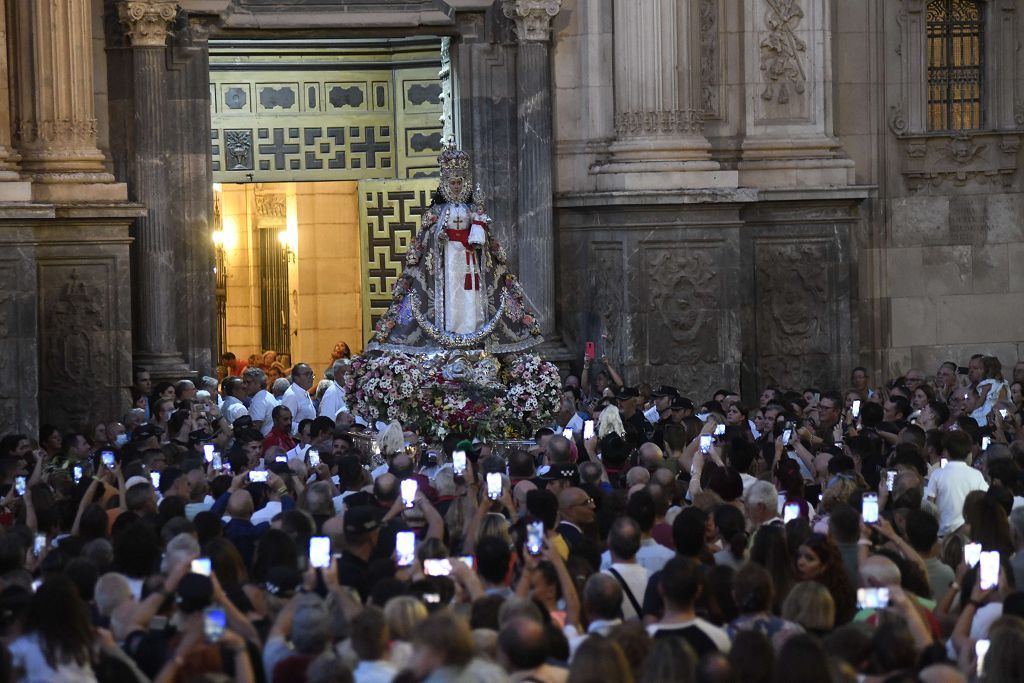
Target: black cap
(195, 592)
(282, 580)
(146, 431)
(628, 392)
(199, 436)
(249, 434)
(242, 422)
(681, 403)
(362, 519)
(665, 390)
(557, 472)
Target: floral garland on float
(473, 392)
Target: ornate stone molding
(782, 51)
(976, 158)
(532, 17)
(147, 21)
(659, 122)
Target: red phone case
(590, 352)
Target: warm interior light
(218, 237)
(282, 237)
(217, 187)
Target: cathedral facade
(715, 192)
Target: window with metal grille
(956, 64)
(274, 310)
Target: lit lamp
(286, 243)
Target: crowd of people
(225, 531)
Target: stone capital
(532, 17)
(146, 22)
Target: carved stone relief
(75, 341)
(609, 301)
(681, 304)
(271, 204)
(794, 325)
(710, 64)
(782, 51)
(983, 160)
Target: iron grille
(956, 65)
(274, 311)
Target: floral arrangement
(413, 390)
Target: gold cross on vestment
(458, 222)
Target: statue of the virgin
(455, 291)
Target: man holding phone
(948, 486)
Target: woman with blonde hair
(810, 604)
(404, 614)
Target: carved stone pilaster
(146, 22)
(532, 17)
(53, 101)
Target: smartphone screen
(208, 452)
(588, 429)
(790, 511)
(409, 488)
(980, 650)
(989, 570)
(890, 479)
(19, 485)
(155, 478)
(201, 565)
(869, 508)
(719, 429)
(872, 598)
(787, 434)
(942, 462)
(972, 554)
(217, 463)
(77, 472)
(855, 409)
(405, 548)
(215, 620)
(459, 461)
(534, 537)
(494, 485)
(782, 501)
(437, 567)
(107, 457)
(705, 442)
(258, 476)
(40, 545)
(320, 552)
(314, 457)
(986, 441)
(281, 458)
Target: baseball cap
(665, 390)
(362, 519)
(628, 392)
(556, 472)
(146, 431)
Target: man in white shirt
(233, 390)
(333, 400)
(948, 486)
(297, 396)
(261, 401)
(679, 587)
(623, 544)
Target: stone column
(54, 113)
(533, 93)
(659, 123)
(12, 188)
(146, 24)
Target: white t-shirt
(636, 577)
(266, 513)
(949, 486)
(27, 654)
(652, 556)
(233, 409)
(333, 402)
(298, 401)
(260, 408)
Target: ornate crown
(454, 160)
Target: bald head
(240, 505)
(637, 475)
(664, 478)
(576, 506)
(520, 491)
(558, 450)
(522, 643)
(651, 456)
(878, 571)
(335, 528)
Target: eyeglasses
(587, 502)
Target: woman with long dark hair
(818, 559)
(59, 641)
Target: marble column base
(65, 191)
(15, 190)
